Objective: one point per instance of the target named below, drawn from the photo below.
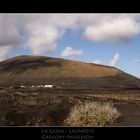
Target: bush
(92, 114)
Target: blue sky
(109, 39)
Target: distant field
(50, 107)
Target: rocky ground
(50, 107)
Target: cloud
(42, 32)
(45, 30)
(9, 35)
(69, 52)
(136, 61)
(118, 30)
(43, 39)
(38, 32)
(10, 38)
(97, 61)
(3, 52)
(70, 21)
(113, 62)
(115, 59)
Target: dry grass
(92, 114)
(118, 96)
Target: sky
(108, 39)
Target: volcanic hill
(34, 70)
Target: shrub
(92, 114)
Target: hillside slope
(61, 72)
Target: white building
(44, 86)
(48, 86)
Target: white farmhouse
(22, 86)
(43, 86)
(48, 86)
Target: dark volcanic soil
(50, 107)
(36, 70)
